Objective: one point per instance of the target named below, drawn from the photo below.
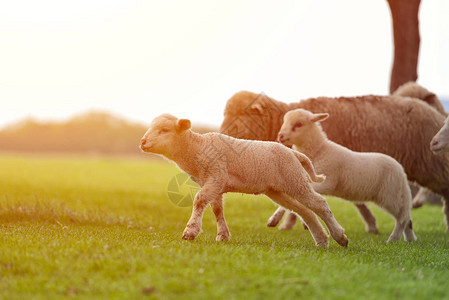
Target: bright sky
(143, 58)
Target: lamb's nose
(281, 137)
(143, 141)
(433, 143)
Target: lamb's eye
(163, 130)
(297, 125)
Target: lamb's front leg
(194, 225)
(223, 233)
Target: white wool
(354, 176)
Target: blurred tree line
(93, 132)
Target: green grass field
(104, 229)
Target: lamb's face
(440, 142)
(297, 125)
(163, 134)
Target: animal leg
(445, 201)
(318, 205)
(401, 213)
(289, 222)
(421, 197)
(223, 233)
(368, 217)
(274, 220)
(409, 234)
(397, 231)
(316, 229)
(202, 199)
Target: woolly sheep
(350, 175)
(414, 90)
(393, 125)
(221, 164)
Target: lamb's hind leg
(421, 196)
(404, 227)
(289, 221)
(368, 217)
(316, 229)
(397, 231)
(274, 220)
(399, 208)
(287, 224)
(318, 205)
(409, 234)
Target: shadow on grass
(58, 213)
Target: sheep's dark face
(440, 142)
(297, 126)
(162, 135)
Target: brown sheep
(414, 90)
(396, 126)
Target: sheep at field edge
(396, 126)
(221, 164)
(354, 176)
(414, 90)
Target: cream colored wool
(221, 164)
(351, 175)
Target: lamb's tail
(308, 166)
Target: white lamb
(440, 142)
(221, 164)
(350, 175)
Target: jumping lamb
(221, 164)
(354, 176)
(399, 127)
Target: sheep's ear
(182, 125)
(319, 117)
(257, 107)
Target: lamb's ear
(319, 117)
(182, 125)
(257, 107)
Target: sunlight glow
(144, 58)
